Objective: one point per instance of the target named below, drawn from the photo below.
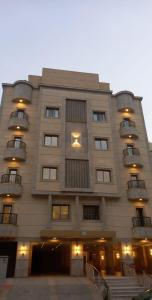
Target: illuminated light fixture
(54, 239)
(140, 199)
(126, 109)
(13, 158)
(20, 101)
(144, 241)
(7, 195)
(150, 250)
(18, 127)
(23, 250)
(134, 165)
(102, 257)
(127, 250)
(130, 136)
(76, 139)
(77, 249)
(117, 255)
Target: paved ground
(48, 288)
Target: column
(49, 211)
(77, 215)
(103, 211)
(22, 259)
(77, 263)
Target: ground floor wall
(68, 257)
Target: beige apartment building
(75, 177)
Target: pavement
(48, 288)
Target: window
(52, 112)
(101, 144)
(60, 212)
(99, 116)
(134, 176)
(17, 141)
(20, 114)
(51, 140)
(49, 173)
(103, 176)
(12, 175)
(90, 212)
(7, 209)
(130, 149)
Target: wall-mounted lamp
(150, 251)
(23, 249)
(102, 257)
(117, 255)
(75, 139)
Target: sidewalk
(48, 288)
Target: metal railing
(19, 115)
(131, 151)
(127, 124)
(94, 275)
(8, 218)
(16, 144)
(136, 184)
(141, 221)
(11, 178)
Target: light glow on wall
(75, 139)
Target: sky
(110, 37)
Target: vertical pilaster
(49, 211)
(22, 259)
(77, 216)
(103, 211)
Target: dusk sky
(111, 37)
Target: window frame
(52, 108)
(60, 205)
(99, 112)
(49, 167)
(90, 219)
(101, 139)
(104, 170)
(51, 135)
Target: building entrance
(50, 258)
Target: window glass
(17, 141)
(49, 173)
(60, 212)
(90, 212)
(101, 144)
(104, 176)
(99, 116)
(52, 112)
(51, 140)
(20, 113)
(12, 173)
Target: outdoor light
(7, 195)
(150, 250)
(13, 158)
(75, 139)
(117, 255)
(126, 109)
(23, 249)
(130, 136)
(18, 127)
(134, 165)
(77, 249)
(20, 101)
(140, 199)
(102, 257)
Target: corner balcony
(15, 151)
(137, 190)
(8, 225)
(125, 102)
(142, 227)
(132, 158)
(22, 92)
(128, 130)
(10, 185)
(18, 121)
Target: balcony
(128, 130)
(22, 92)
(8, 228)
(10, 185)
(125, 102)
(137, 190)
(18, 121)
(142, 227)
(132, 158)
(15, 151)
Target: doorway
(51, 259)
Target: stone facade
(76, 130)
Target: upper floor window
(52, 112)
(103, 176)
(17, 141)
(101, 144)
(20, 113)
(99, 116)
(49, 173)
(51, 140)
(90, 212)
(60, 212)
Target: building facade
(76, 179)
